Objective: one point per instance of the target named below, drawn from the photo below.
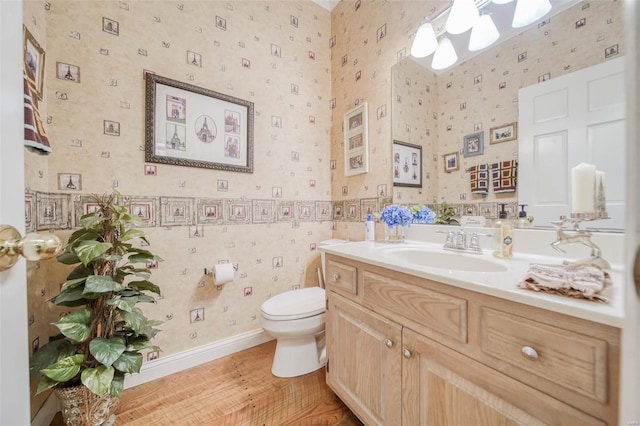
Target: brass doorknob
(33, 246)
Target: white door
(14, 352)
(572, 119)
(630, 369)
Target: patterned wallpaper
(303, 68)
(273, 54)
(370, 37)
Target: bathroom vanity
(410, 342)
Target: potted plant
(446, 215)
(101, 340)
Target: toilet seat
(295, 304)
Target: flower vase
(394, 234)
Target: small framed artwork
(356, 141)
(110, 26)
(111, 128)
(70, 181)
(407, 164)
(473, 144)
(191, 126)
(68, 72)
(34, 61)
(451, 162)
(504, 133)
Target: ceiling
(502, 15)
(327, 4)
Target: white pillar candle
(583, 184)
(601, 199)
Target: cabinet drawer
(423, 309)
(342, 276)
(569, 359)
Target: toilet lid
(295, 304)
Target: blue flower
(423, 214)
(395, 215)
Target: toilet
(296, 319)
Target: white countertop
(498, 284)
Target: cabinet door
(443, 387)
(364, 365)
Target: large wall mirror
(466, 118)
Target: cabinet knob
(336, 277)
(389, 343)
(529, 353)
(406, 353)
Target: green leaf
(144, 286)
(130, 234)
(91, 220)
(141, 258)
(68, 258)
(65, 369)
(98, 380)
(72, 284)
(80, 271)
(129, 362)
(83, 234)
(136, 321)
(122, 304)
(45, 383)
(88, 251)
(139, 343)
(117, 384)
(101, 284)
(71, 297)
(76, 325)
(48, 354)
(105, 351)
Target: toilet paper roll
(223, 273)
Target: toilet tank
(327, 243)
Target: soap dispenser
(503, 235)
(369, 229)
(523, 220)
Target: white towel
(579, 280)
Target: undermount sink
(433, 258)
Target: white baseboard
(171, 364)
(175, 363)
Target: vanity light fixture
(462, 16)
(425, 42)
(502, 1)
(529, 11)
(445, 55)
(483, 34)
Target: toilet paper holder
(209, 271)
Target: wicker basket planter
(80, 407)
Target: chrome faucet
(463, 241)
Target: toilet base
(298, 356)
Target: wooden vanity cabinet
(404, 350)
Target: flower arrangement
(423, 214)
(395, 215)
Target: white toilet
(296, 319)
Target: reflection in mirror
(469, 114)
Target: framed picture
(504, 133)
(473, 144)
(190, 126)
(356, 141)
(451, 162)
(34, 60)
(407, 164)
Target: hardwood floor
(235, 390)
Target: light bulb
(483, 34)
(425, 42)
(529, 11)
(445, 55)
(462, 16)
